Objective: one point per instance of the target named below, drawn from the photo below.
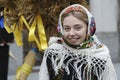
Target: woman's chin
(74, 43)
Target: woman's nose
(72, 32)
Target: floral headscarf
(77, 7)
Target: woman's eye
(77, 28)
(67, 29)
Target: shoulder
(102, 52)
(55, 47)
(55, 40)
(55, 43)
(100, 48)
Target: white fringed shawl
(96, 57)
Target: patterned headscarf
(77, 7)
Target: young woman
(77, 54)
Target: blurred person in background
(5, 39)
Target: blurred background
(107, 16)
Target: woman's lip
(73, 39)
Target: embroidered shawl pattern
(77, 59)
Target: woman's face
(74, 30)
